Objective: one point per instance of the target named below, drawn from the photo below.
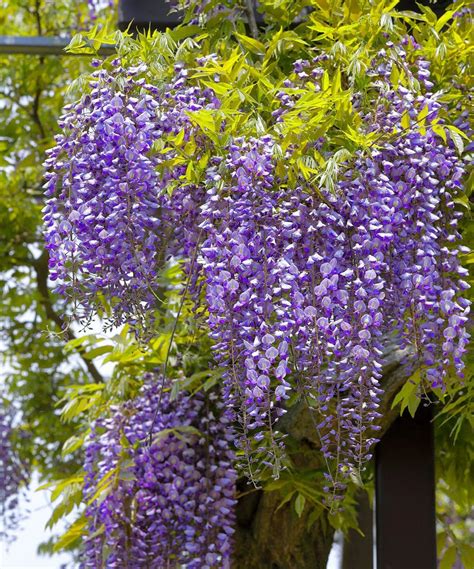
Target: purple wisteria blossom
(108, 215)
(302, 286)
(168, 503)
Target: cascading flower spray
(13, 477)
(302, 286)
(170, 502)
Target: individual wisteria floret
(13, 478)
(169, 493)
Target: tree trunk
(272, 537)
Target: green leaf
(467, 555)
(325, 81)
(300, 502)
(448, 559)
(413, 404)
(203, 118)
(463, 200)
(421, 119)
(444, 19)
(457, 137)
(74, 533)
(423, 113)
(251, 44)
(439, 130)
(409, 15)
(78, 342)
(286, 499)
(103, 486)
(72, 444)
(182, 32)
(96, 352)
(314, 516)
(408, 394)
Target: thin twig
(173, 333)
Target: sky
(22, 553)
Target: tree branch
(35, 111)
(40, 266)
(37, 14)
(250, 9)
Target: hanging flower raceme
(170, 483)
(243, 268)
(107, 217)
(13, 478)
(303, 293)
(421, 174)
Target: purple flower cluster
(420, 175)
(242, 268)
(303, 293)
(107, 215)
(169, 503)
(12, 478)
(301, 286)
(294, 290)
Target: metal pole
(43, 45)
(405, 494)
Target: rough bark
(269, 537)
(272, 538)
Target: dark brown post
(405, 494)
(358, 550)
(144, 14)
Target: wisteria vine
(303, 285)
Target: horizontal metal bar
(43, 45)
